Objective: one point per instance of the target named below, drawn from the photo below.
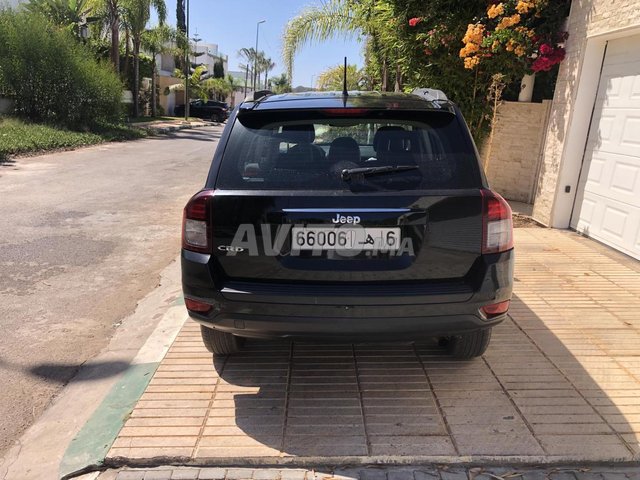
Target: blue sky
(232, 25)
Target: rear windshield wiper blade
(350, 173)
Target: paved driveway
(559, 382)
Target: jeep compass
(353, 217)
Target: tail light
(496, 309)
(497, 223)
(196, 223)
(197, 306)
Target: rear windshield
(312, 152)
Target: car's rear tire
(469, 345)
(219, 343)
(215, 118)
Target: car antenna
(345, 92)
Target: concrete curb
(39, 452)
(348, 461)
(90, 446)
(160, 129)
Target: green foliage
(23, 137)
(317, 24)
(333, 78)
(65, 13)
(51, 76)
(400, 56)
(280, 84)
(202, 87)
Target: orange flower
(507, 22)
(495, 45)
(494, 10)
(471, 62)
(519, 51)
(468, 49)
(524, 7)
(474, 33)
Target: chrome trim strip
(344, 210)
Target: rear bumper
(351, 312)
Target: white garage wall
(591, 24)
(607, 206)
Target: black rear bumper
(349, 312)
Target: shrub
(51, 76)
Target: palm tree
(345, 18)
(281, 84)
(138, 13)
(333, 78)
(196, 80)
(248, 54)
(112, 11)
(267, 66)
(66, 13)
(157, 41)
(317, 24)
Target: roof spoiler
(430, 94)
(259, 95)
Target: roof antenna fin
(345, 92)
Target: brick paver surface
(559, 381)
(384, 473)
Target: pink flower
(545, 49)
(414, 21)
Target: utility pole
(187, 76)
(255, 59)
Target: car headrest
(344, 147)
(305, 133)
(396, 141)
(383, 139)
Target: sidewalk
(558, 385)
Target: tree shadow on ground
(532, 395)
(63, 373)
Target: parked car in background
(207, 110)
(356, 217)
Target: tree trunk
(266, 77)
(154, 107)
(398, 85)
(115, 42)
(246, 81)
(127, 54)
(136, 77)
(385, 75)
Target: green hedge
(52, 77)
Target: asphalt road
(83, 237)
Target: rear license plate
(345, 238)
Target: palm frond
(317, 24)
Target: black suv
(209, 110)
(356, 217)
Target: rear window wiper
(354, 173)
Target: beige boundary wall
(512, 156)
(591, 24)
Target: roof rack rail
(430, 94)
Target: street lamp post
(255, 59)
(188, 69)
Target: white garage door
(608, 201)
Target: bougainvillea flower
(414, 21)
(545, 49)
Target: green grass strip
(17, 136)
